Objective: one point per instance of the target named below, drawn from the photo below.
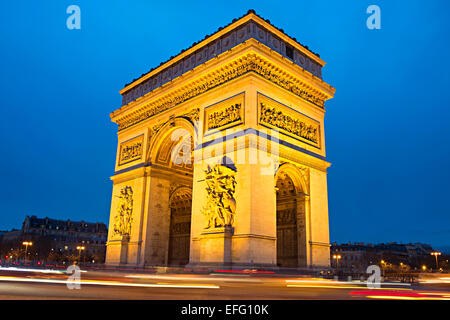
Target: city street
(16, 283)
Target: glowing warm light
(395, 294)
(323, 286)
(113, 283)
(405, 298)
(440, 280)
(176, 278)
(32, 270)
(244, 271)
(436, 254)
(334, 282)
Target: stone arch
(179, 189)
(296, 175)
(161, 134)
(291, 217)
(180, 204)
(170, 193)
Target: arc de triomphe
(221, 156)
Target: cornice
(250, 56)
(251, 15)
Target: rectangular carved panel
(131, 150)
(224, 114)
(278, 116)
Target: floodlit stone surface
(224, 161)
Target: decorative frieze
(131, 150)
(226, 116)
(288, 121)
(234, 70)
(225, 113)
(193, 116)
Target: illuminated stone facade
(221, 156)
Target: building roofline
(250, 15)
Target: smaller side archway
(291, 217)
(180, 226)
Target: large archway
(291, 217)
(180, 226)
(171, 161)
(287, 231)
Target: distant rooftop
(35, 222)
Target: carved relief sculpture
(223, 117)
(221, 205)
(124, 216)
(250, 64)
(295, 126)
(131, 150)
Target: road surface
(16, 283)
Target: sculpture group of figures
(220, 118)
(289, 124)
(124, 216)
(221, 205)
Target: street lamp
(383, 265)
(26, 244)
(79, 248)
(424, 268)
(337, 257)
(436, 254)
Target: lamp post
(26, 244)
(436, 254)
(337, 257)
(79, 248)
(383, 265)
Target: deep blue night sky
(387, 129)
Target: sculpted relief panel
(225, 114)
(124, 216)
(249, 64)
(221, 204)
(288, 121)
(131, 150)
(221, 118)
